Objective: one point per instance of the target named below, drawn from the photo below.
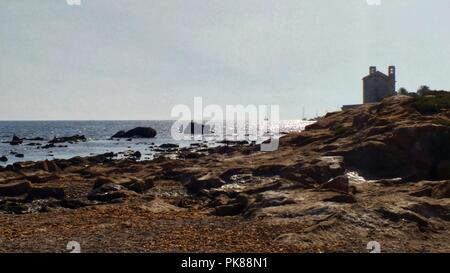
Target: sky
(137, 59)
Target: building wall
(377, 88)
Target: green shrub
(432, 103)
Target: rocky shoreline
(304, 197)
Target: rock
(203, 183)
(74, 138)
(3, 159)
(48, 146)
(321, 171)
(20, 155)
(106, 192)
(229, 175)
(13, 207)
(194, 128)
(443, 170)
(102, 180)
(73, 203)
(270, 186)
(136, 155)
(341, 198)
(37, 178)
(397, 214)
(138, 185)
(441, 191)
(48, 166)
(139, 132)
(15, 189)
(268, 170)
(16, 140)
(234, 142)
(233, 207)
(339, 184)
(46, 192)
(168, 146)
(34, 144)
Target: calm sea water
(98, 134)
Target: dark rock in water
(16, 140)
(74, 138)
(102, 158)
(34, 144)
(233, 142)
(48, 146)
(45, 193)
(20, 155)
(139, 132)
(3, 159)
(15, 189)
(137, 154)
(168, 146)
(194, 128)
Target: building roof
(377, 74)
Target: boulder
(20, 155)
(194, 128)
(3, 159)
(138, 185)
(48, 166)
(268, 170)
(205, 182)
(168, 146)
(443, 170)
(341, 198)
(441, 191)
(45, 193)
(139, 132)
(16, 140)
(339, 184)
(233, 207)
(321, 170)
(15, 189)
(106, 192)
(74, 138)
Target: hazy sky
(136, 59)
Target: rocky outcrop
(194, 128)
(71, 139)
(339, 184)
(139, 132)
(15, 189)
(168, 146)
(206, 182)
(16, 140)
(46, 192)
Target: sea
(98, 134)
